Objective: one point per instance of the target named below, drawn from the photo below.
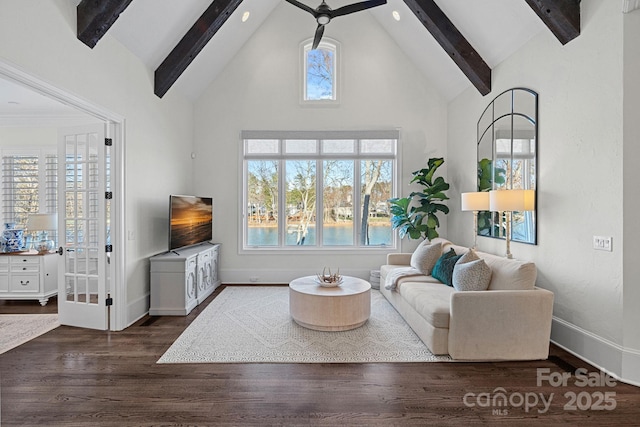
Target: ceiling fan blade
(303, 6)
(356, 7)
(318, 37)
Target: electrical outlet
(253, 279)
(602, 243)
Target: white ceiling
(151, 28)
(495, 28)
(22, 106)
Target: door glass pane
(337, 212)
(80, 183)
(71, 289)
(93, 211)
(300, 202)
(82, 289)
(70, 147)
(81, 151)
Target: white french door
(82, 227)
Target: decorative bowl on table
(328, 280)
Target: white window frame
(327, 44)
(281, 137)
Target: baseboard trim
(278, 277)
(137, 309)
(617, 361)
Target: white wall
(259, 90)
(39, 38)
(631, 291)
(12, 137)
(580, 182)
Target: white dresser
(182, 279)
(28, 275)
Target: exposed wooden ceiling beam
(561, 16)
(453, 42)
(192, 43)
(95, 17)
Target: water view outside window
(318, 193)
(262, 202)
(301, 201)
(337, 212)
(375, 185)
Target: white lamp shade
(512, 200)
(40, 222)
(476, 201)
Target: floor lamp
(476, 201)
(510, 201)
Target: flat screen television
(191, 220)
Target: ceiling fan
(324, 14)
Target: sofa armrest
(399, 259)
(500, 325)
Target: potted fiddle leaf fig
(416, 216)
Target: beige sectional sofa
(511, 320)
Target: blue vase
(13, 240)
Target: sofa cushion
(471, 276)
(425, 256)
(430, 300)
(468, 256)
(443, 270)
(510, 274)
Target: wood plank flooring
(77, 377)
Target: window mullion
(319, 202)
(357, 203)
(282, 204)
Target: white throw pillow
(468, 256)
(471, 276)
(425, 256)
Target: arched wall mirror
(508, 159)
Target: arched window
(320, 72)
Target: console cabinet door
(191, 277)
(204, 272)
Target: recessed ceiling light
(396, 15)
(245, 16)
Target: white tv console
(181, 279)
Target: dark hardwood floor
(77, 377)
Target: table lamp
(475, 201)
(509, 201)
(42, 223)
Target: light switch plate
(602, 243)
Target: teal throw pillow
(443, 270)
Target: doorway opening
(41, 109)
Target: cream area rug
(251, 324)
(17, 329)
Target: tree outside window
(320, 72)
(329, 192)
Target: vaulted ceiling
(454, 43)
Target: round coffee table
(340, 308)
